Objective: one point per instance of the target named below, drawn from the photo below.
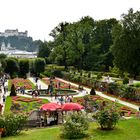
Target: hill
(21, 42)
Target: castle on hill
(13, 33)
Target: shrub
(125, 80)
(113, 88)
(137, 85)
(13, 124)
(57, 73)
(107, 118)
(13, 91)
(92, 92)
(75, 126)
(99, 76)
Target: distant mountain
(21, 42)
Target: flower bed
(63, 85)
(19, 82)
(22, 99)
(22, 104)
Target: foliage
(75, 126)
(13, 90)
(126, 42)
(3, 56)
(13, 124)
(39, 65)
(107, 117)
(136, 85)
(44, 50)
(78, 43)
(12, 66)
(128, 92)
(113, 88)
(99, 76)
(125, 80)
(24, 67)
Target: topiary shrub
(13, 90)
(125, 80)
(92, 92)
(107, 117)
(75, 127)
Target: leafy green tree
(12, 66)
(39, 65)
(2, 56)
(126, 43)
(44, 50)
(60, 51)
(24, 67)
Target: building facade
(13, 33)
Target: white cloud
(39, 17)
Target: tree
(2, 56)
(24, 67)
(39, 65)
(60, 52)
(12, 66)
(126, 43)
(44, 50)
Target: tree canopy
(126, 43)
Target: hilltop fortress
(13, 33)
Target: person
(71, 99)
(23, 90)
(61, 100)
(36, 79)
(4, 98)
(69, 85)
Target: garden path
(39, 83)
(105, 96)
(1, 96)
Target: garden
(59, 84)
(18, 104)
(20, 82)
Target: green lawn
(8, 105)
(125, 130)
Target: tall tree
(12, 66)
(44, 50)
(126, 46)
(24, 67)
(39, 65)
(60, 34)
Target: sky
(39, 17)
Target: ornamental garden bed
(59, 84)
(18, 104)
(20, 82)
(96, 100)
